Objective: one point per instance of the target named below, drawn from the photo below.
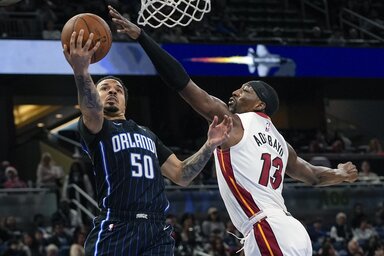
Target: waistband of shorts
(259, 216)
(130, 215)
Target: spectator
(45, 12)
(40, 225)
(11, 227)
(176, 228)
(375, 146)
(364, 233)
(340, 232)
(319, 144)
(375, 245)
(337, 146)
(327, 249)
(40, 241)
(217, 247)
(191, 239)
(15, 248)
(231, 238)
(59, 238)
(4, 237)
(68, 217)
(13, 180)
(78, 176)
(3, 166)
(50, 31)
(213, 224)
(366, 174)
(379, 218)
(52, 250)
(354, 249)
(379, 250)
(317, 234)
(31, 247)
(77, 247)
(48, 174)
(353, 34)
(337, 38)
(357, 215)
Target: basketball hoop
(170, 13)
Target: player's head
(113, 95)
(255, 96)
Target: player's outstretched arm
(183, 172)
(79, 58)
(171, 71)
(301, 170)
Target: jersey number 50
(266, 176)
(142, 165)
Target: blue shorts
(130, 234)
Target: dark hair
(267, 94)
(120, 81)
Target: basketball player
(252, 163)
(129, 161)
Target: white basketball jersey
(250, 174)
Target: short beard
(111, 109)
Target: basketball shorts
(129, 234)
(277, 234)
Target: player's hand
(219, 133)
(78, 55)
(123, 24)
(349, 171)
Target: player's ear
(260, 106)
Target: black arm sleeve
(170, 70)
(163, 152)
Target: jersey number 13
(271, 171)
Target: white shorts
(277, 235)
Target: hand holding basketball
(79, 55)
(90, 23)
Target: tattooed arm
(79, 57)
(183, 172)
(89, 102)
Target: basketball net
(170, 13)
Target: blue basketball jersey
(126, 158)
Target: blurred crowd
(64, 232)
(357, 233)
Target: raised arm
(183, 172)
(301, 170)
(172, 72)
(79, 57)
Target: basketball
(91, 23)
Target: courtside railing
(362, 24)
(81, 208)
(319, 6)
